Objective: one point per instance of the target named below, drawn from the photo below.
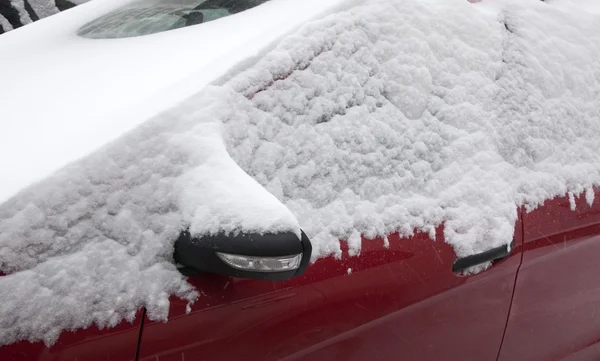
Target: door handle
(490, 255)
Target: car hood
(63, 96)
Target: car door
(91, 344)
(393, 301)
(555, 313)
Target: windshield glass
(152, 16)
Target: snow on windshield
(389, 116)
(145, 17)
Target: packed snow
(386, 116)
(115, 85)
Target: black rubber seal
(493, 254)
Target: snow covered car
(301, 180)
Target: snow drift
(389, 116)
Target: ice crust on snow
(391, 116)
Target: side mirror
(273, 257)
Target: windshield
(152, 16)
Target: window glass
(152, 16)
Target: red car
(538, 303)
(498, 129)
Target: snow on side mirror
(269, 256)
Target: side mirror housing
(269, 256)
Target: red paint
(92, 344)
(397, 303)
(556, 307)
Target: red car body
(397, 303)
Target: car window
(153, 16)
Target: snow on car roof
(388, 116)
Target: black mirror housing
(205, 254)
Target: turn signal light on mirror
(261, 264)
